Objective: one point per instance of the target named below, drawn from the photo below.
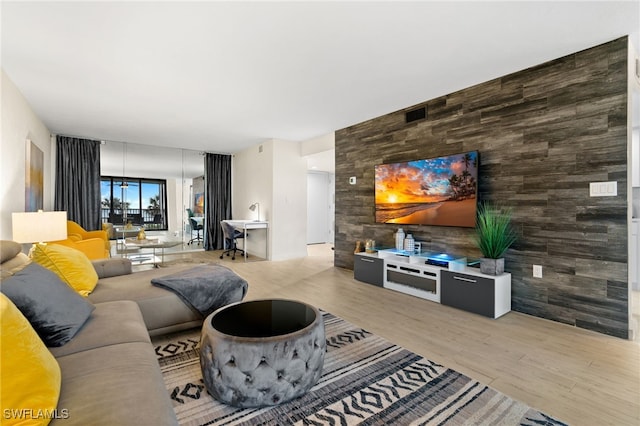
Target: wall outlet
(352, 180)
(537, 271)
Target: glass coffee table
(149, 243)
(262, 352)
(123, 232)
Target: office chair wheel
(233, 258)
(222, 255)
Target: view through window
(140, 201)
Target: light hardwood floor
(581, 377)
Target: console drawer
(368, 269)
(468, 292)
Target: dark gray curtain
(217, 198)
(78, 180)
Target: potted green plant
(494, 235)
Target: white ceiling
(223, 76)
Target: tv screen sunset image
(435, 191)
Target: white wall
(289, 228)
(252, 181)
(274, 175)
(19, 123)
(319, 144)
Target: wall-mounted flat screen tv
(435, 191)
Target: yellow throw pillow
(30, 384)
(71, 265)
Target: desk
(245, 225)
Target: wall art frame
(34, 177)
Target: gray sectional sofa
(163, 311)
(110, 374)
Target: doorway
(319, 208)
(634, 235)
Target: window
(140, 201)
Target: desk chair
(231, 236)
(197, 228)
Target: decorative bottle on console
(400, 239)
(409, 244)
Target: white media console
(438, 277)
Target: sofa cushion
(110, 323)
(54, 310)
(11, 258)
(13, 265)
(30, 374)
(162, 310)
(118, 384)
(8, 250)
(71, 265)
(112, 267)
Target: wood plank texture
(543, 134)
(580, 376)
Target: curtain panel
(217, 201)
(77, 188)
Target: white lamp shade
(33, 227)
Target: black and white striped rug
(366, 380)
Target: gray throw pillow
(53, 308)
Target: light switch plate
(603, 189)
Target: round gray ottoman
(262, 352)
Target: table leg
(245, 243)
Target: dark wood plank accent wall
(543, 134)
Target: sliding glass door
(139, 201)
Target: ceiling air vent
(415, 114)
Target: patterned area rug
(366, 380)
